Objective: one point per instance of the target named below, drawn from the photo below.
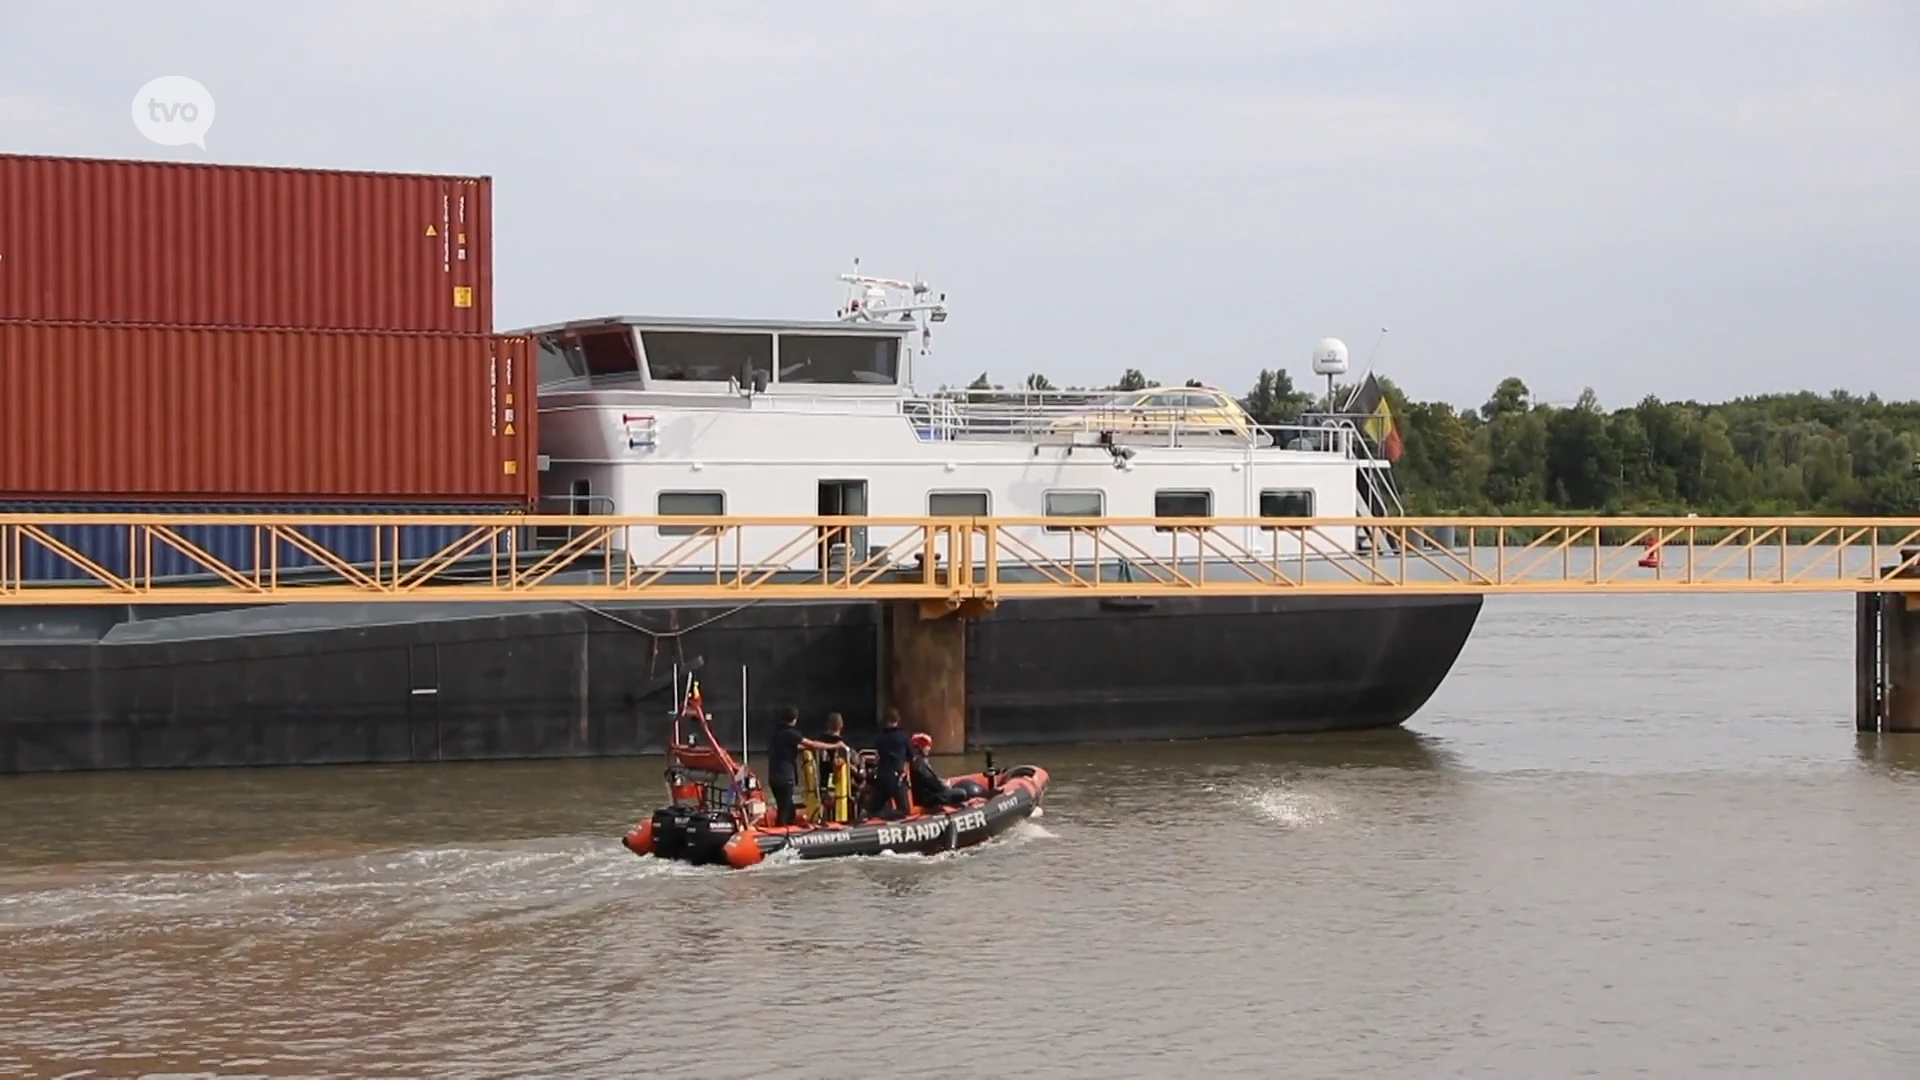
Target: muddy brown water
(1629, 836)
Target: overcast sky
(1687, 197)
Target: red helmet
(922, 741)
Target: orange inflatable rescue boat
(718, 815)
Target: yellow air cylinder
(842, 788)
(810, 785)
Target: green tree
(1800, 452)
(1273, 400)
(1438, 467)
(1510, 398)
(1583, 464)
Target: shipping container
(116, 550)
(90, 240)
(92, 413)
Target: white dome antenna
(1330, 357)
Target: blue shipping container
(114, 549)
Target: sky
(1691, 198)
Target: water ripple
(1616, 847)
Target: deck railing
(1073, 416)
(239, 558)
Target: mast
(870, 300)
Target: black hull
(926, 834)
(320, 684)
(1065, 671)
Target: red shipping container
(86, 240)
(92, 412)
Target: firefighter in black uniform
(783, 764)
(930, 789)
(891, 751)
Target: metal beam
(60, 559)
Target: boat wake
(452, 883)
(286, 888)
(1286, 807)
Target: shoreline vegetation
(1800, 454)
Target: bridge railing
(52, 558)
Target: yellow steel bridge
(61, 558)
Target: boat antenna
(872, 304)
(744, 753)
(1377, 342)
(869, 302)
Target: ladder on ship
(1373, 482)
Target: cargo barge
(330, 683)
(646, 416)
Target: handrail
(285, 557)
(509, 520)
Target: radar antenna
(871, 299)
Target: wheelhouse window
(1167, 504)
(1286, 503)
(560, 360)
(1084, 504)
(694, 356)
(609, 352)
(841, 360)
(958, 504)
(690, 504)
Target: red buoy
(1651, 560)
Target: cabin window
(843, 360)
(691, 356)
(1286, 503)
(692, 504)
(560, 360)
(957, 504)
(609, 352)
(1073, 504)
(1168, 504)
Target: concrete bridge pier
(1887, 660)
(926, 668)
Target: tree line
(1837, 453)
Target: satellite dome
(1330, 357)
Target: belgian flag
(1370, 401)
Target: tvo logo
(174, 110)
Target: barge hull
(1068, 671)
(114, 688)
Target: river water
(1630, 835)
